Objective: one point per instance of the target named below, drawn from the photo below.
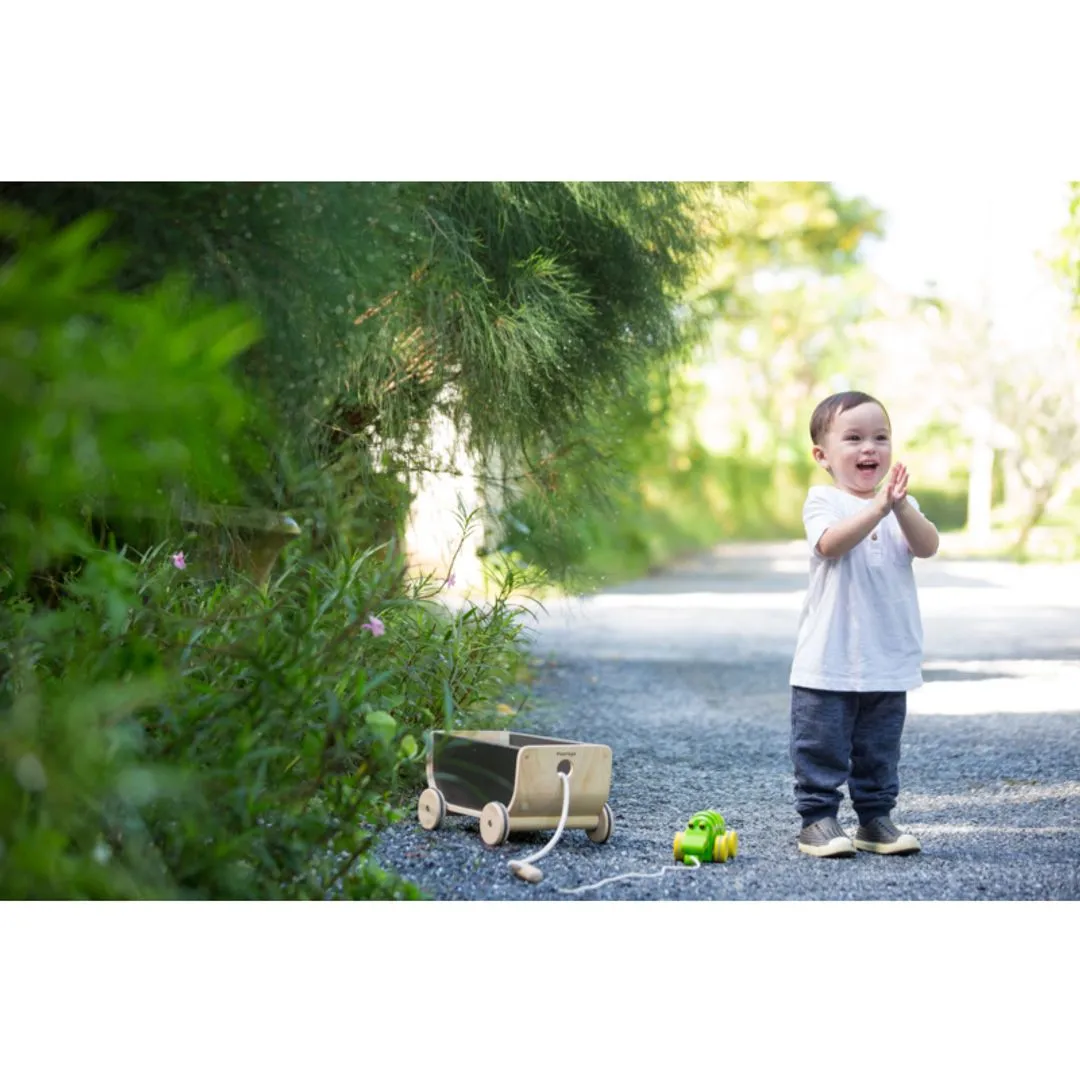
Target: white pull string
(636, 874)
(525, 869)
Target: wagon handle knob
(527, 872)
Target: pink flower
(178, 560)
(375, 625)
(451, 581)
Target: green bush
(946, 509)
(109, 400)
(171, 734)
(216, 740)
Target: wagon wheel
(602, 833)
(494, 824)
(733, 844)
(431, 808)
(677, 847)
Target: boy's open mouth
(867, 466)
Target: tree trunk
(980, 491)
(1041, 499)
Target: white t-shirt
(860, 627)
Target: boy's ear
(819, 456)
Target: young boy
(859, 646)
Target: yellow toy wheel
(733, 844)
(719, 851)
(677, 847)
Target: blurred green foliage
(1068, 260)
(510, 306)
(107, 396)
(774, 303)
(947, 509)
(786, 300)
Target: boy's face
(857, 449)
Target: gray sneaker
(826, 839)
(882, 837)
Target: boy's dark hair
(833, 406)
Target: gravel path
(684, 676)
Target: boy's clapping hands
(894, 489)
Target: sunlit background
(959, 317)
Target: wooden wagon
(511, 782)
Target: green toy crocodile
(706, 840)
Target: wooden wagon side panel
(538, 794)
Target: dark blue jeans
(839, 737)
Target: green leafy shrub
(302, 713)
(109, 401)
(109, 398)
(216, 740)
(166, 734)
